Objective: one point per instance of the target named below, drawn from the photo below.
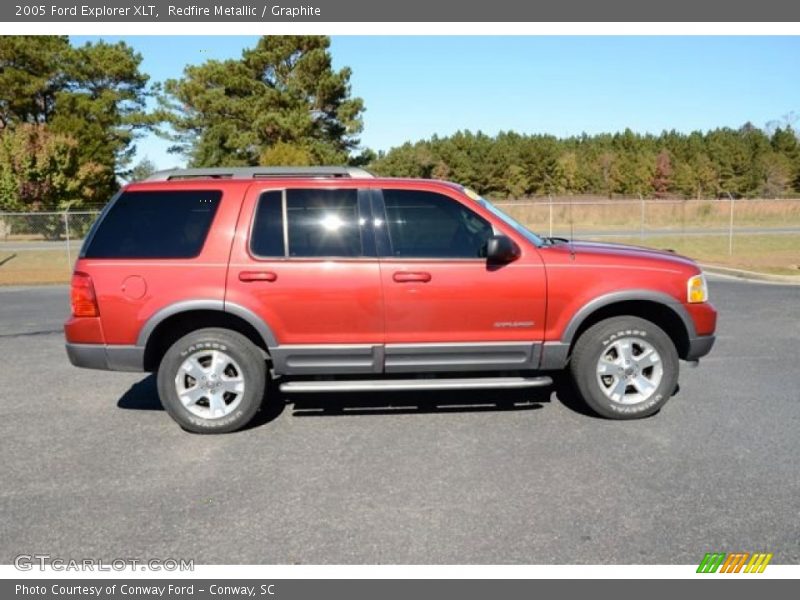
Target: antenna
(571, 230)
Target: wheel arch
(658, 308)
(173, 322)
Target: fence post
(641, 222)
(683, 218)
(730, 227)
(550, 196)
(66, 234)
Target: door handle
(257, 276)
(406, 276)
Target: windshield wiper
(552, 241)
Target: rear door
(304, 261)
(445, 307)
(159, 245)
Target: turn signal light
(82, 297)
(697, 289)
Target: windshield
(507, 219)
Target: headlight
(696, 289)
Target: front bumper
(107, 358)
(700, 346)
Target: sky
(414, 87)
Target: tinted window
(430, 225)
(171, 224)
(267, 237)
(323, 223)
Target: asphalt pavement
(93, 467)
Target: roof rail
(261, 173)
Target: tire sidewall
(237, 347)
(594, 342)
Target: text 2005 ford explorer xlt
(329, 279)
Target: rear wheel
(212, 381)
(625, 367)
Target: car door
(445, 307)
(304, 261)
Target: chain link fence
(643, 218)
(41, 247)
(746, 233)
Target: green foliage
(41, 170)
(281, 102)
(31, 74)
(745, 162)
(285, 154)
(93, 95)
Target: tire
(625, 368)
(212, 381)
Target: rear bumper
(107, 358)
(700, 346)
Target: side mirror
(501, 249)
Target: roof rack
(261, 173)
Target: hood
(626, 251)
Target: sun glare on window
(332, 222)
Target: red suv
(330, 279)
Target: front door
(307, 266)
(446, 308)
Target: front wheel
(212, 381)
(625, 367)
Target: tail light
(82, 296)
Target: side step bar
(378, 385)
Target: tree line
(70, 118)
(744, 162)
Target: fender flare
(183, 306)
(555, 354)
(625, 296)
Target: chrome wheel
(210, 384)
(629, 370)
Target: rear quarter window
(159, 224)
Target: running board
(377, 385)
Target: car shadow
(565, 393)
(143, 395)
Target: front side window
(307, 224)
(158, 224)
(430, 225)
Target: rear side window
(168, 224)
(323, 223)
(316, 224)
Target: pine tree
(282, 101)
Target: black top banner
(407, 10)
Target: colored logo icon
(734, 562)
